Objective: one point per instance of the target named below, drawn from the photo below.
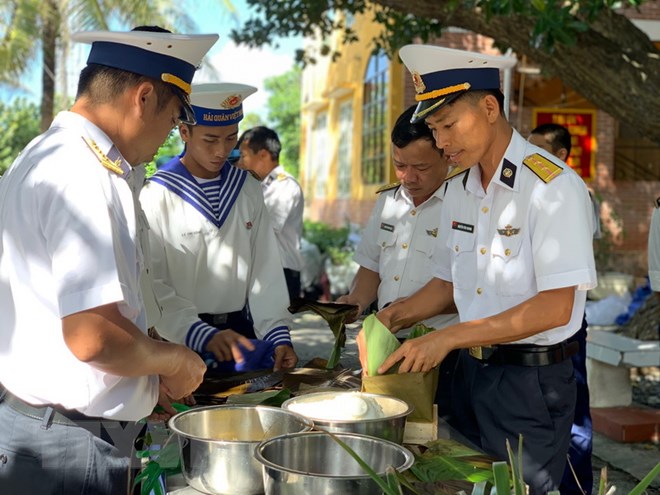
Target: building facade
(349, 107)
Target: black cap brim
(426, 108)
(187, 112)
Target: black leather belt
(59, 416)
(525, 354)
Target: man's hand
(225, 346)
(285, 357)
(188, 373)
(348, 299)
(418, 355)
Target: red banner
(581, 123)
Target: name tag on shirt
(387, 227)
(462, 226)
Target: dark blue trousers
(579, 451)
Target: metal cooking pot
(390, 427)
(218, 442)
(314, 463)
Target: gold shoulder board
(114, 167)
(545, 169)
(455, 171)
(281, 176)
(393, 185)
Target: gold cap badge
(420, 87)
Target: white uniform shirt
(69, 244)
(209, 263)
(502, 246)
(654, 248)
(398, 243)
(284, 200)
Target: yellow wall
(326, 86)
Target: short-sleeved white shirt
(69, 244)
(502, 246)
(285, 204)
(398, 243)
(654, 248)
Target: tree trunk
(613, 64)
(50, 19)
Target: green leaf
(380, 343)
(502, 480)
(639, 489)
(335, 315)
(419, 330)
(442, 468)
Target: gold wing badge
(508, 231)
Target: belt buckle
(481, 353)
(220, 319)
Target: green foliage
(554, 21)
(19, 122)
(325, 236)
(284, 114)
(172, 146)
(251, 120)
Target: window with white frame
(374, 121)
(320, 158)
(344, 150)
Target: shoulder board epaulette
(281, 176)
(393, 185)
(456, 171)
(545, 169)
(105, 161)
(254, 174)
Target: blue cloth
(640, 296)
(261, 358)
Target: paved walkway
(627, 463)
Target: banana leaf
(442, 468)
(335, 315)
(380, 343)
(273, 398)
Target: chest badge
(432, 233)
(248, 225)
(508, 231)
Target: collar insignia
(105, 161)
(508, 231)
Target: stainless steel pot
(390, 427)
(315, 464)
(218, 442)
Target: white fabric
(69, 244)
(654, 250)
(398, 243)
(284, 200)
(552, 249)
(200, 268)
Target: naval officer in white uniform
(514, 254)
(212, 244)
(76, 361)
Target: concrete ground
(626, 463)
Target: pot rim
(307, 422)
(317, 421)
(409, 457)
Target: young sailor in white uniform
(212, 244)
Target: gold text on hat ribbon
(177, 81)
(443, 91)
(105, 161)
